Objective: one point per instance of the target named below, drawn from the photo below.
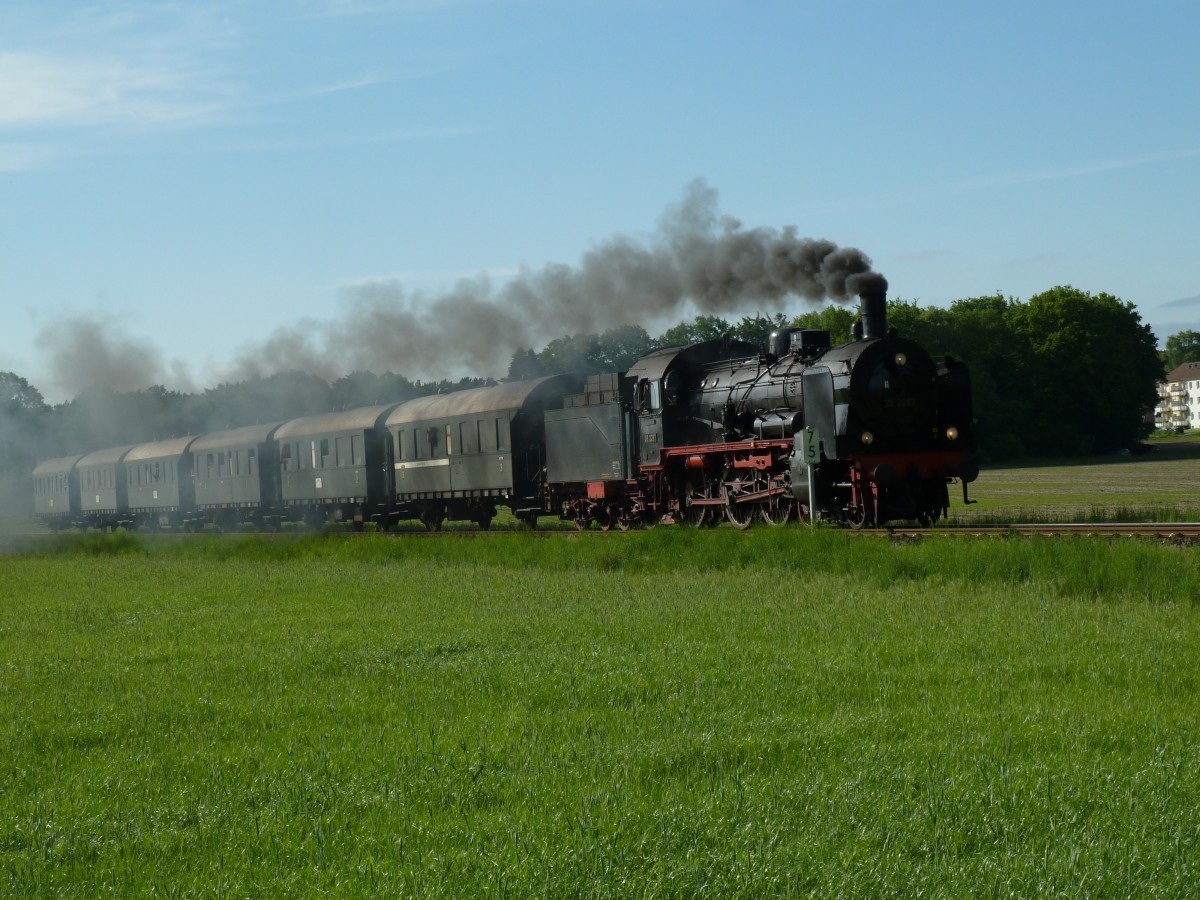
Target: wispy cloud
(345, 8)
(400, 279)
(924, 256)
(98, 80)
(1184, 301)
(26, 157)
(39, 91)
(1079, 171)
(1012, 179)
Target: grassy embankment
(1160, 486)
(667, 713)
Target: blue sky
(178, 181)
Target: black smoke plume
(696, 261)
(696, 257)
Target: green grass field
(661, 714)
(1163, 485)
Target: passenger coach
(237, 476)
(459, 455)
(336, 466)
(56, 491)
(158, 478)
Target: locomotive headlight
(952, 433)
(901, 359)
(867, 437)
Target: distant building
(1179, 398)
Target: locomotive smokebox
(874, 313)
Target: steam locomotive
(861, 434)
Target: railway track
(1182, 532)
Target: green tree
(524, 365)
(284, 395)
(756, 329)
(368, 389)
(619, 348)
(1181, 348)
(837, 319)
(23, 422)
(1005, 397)
(1095, 366)
(571, 353)
(701, 328)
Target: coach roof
(363, 418)
(104, 457)
(235, 437)
(479, 401)
(168, 449)
(56, 466)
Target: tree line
(1064, 373)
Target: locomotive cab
(666, 384)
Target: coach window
(501, 434)
(358, 457)
(343, 451)
(252, 461)
(323, 459)
(487, 436)
(450, 441)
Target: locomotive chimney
(874, 313)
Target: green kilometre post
(812, 456)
